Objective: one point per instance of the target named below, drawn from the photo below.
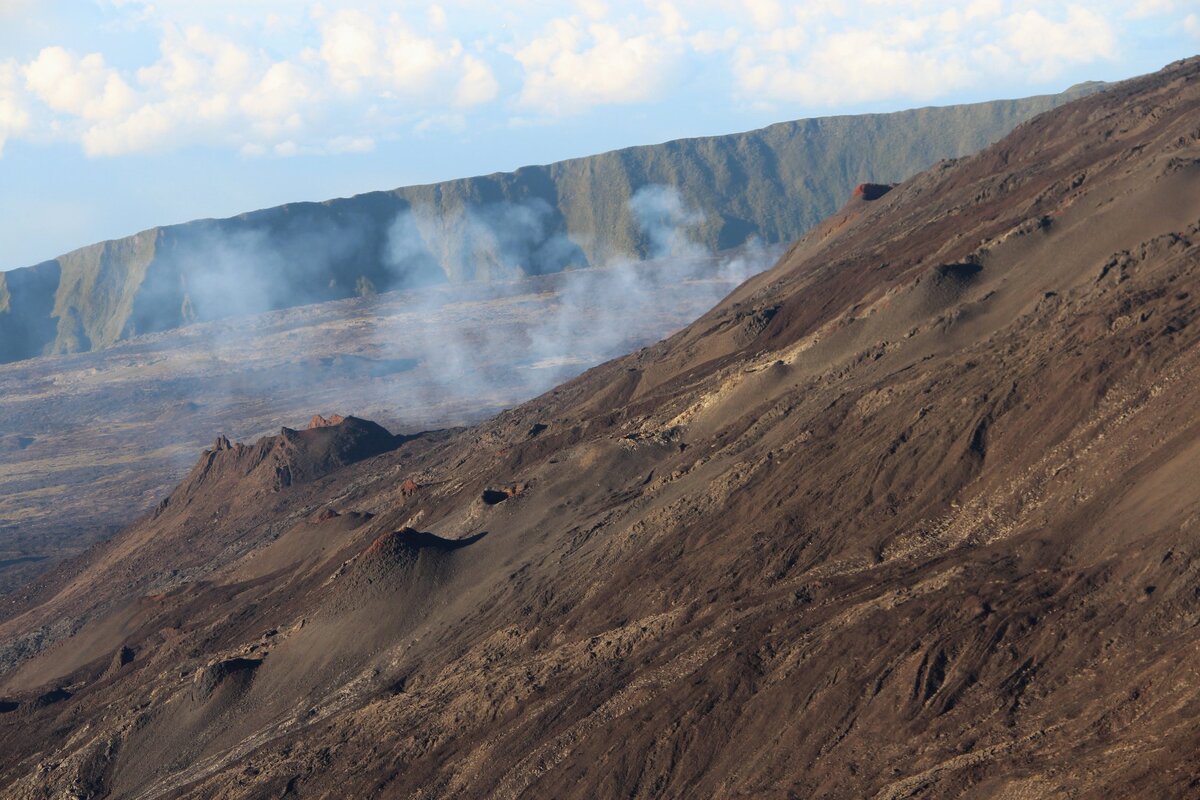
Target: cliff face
(771, 184)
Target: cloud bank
(284, 79)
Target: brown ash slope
(913, 514)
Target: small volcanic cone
(407, 561)
(324, 515)
(233, 671)
(492, 497)
(408, 541)
(56, 695)
(276, 462)
(320, 449)
(123, 656)
(325, 422)
(871, 191)
(863, 194)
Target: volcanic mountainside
(912, 514)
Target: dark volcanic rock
(275, 462)
(871, 191)
(122, 657)
(56, 695)
(210, 677)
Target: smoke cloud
(456, 316)
(548, 329)
(665, 221)
(403, 345)
(497, 241)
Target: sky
(119, 115)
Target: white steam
(522, 310)
(495, 241)
(666, 221)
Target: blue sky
(117, 115)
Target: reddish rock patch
(386, 541)
(411, 540)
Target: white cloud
(765, 13)
(916, 54)
(671, 20)
(709, 42)
(593, 9)
(84, 87)
(1046, 45)
(849, 67)
(441, 123)
(201, 75)
(263, 79)
(200, 84)
(437, 17)
(1150, 8)
(279, 97)
(13, 8)
(206, 88)
(573, 66)
(414, 61)
(982, 9)
(351, 144)
(393, 58)
(349, 76)
(14, 117)
(477, 84)
(1191, 24)
(144, 129)
(350, 47)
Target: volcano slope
(93, 440)
(913, 514)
